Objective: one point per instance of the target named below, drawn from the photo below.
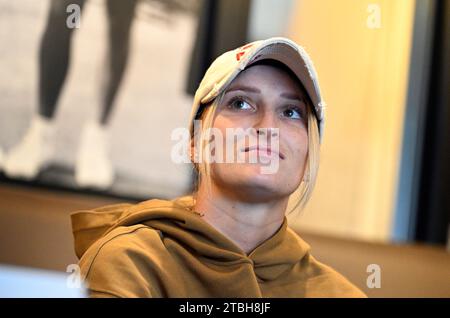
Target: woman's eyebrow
(250, 89)
(255, 90)
(293, 96)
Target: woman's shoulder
(137, 239)
(111, 222)
(121, 262)
(324, 281)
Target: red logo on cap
(242, 51)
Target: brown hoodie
(161, 248)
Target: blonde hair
(304, 191)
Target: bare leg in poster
(93, 166)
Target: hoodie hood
(177, 220)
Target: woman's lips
(264, 150)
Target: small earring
(306, 177)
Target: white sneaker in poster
(93, 166)
(34, 151)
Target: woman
(230, 238)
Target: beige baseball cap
(227, 66)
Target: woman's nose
(269, 131)
(267, 125)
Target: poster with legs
(91, 90)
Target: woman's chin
(261, 171)
(249, 176)
(249, 171)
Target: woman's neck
(246, 224)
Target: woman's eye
(240, 104)
(292, 113)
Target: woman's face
(263, 97)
